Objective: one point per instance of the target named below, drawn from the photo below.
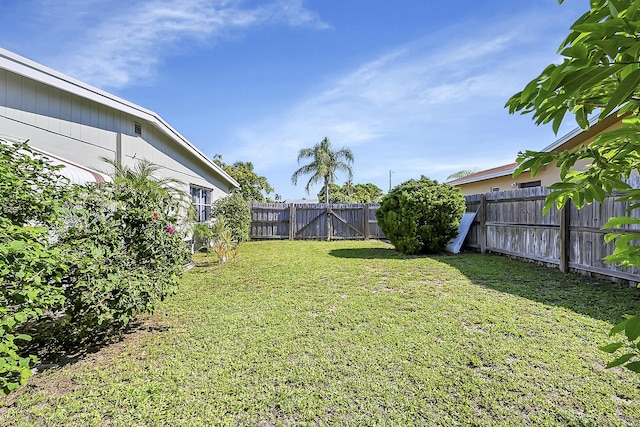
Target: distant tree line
(253, 187)
(352, 193)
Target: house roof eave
(40, 73)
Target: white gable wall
(83, 131)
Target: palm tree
(139, 185)
(325, 165)
(461, 174)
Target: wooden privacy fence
(511, 223)
(309, 221)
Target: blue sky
(410, 86)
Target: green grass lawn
(352, 333)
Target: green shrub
(421, 216)
(103, 252)
(31, 196)
(124, 247)
(236, 213)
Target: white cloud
(416, 110)
(397, 93)
(134, 37)
(294, 12)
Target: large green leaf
(621, 220)
(634, 366)
(620, 360)
(625, 89)
(632, 328)
(611, 348)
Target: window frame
(530, 184)
(202, 198)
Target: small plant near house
(421, 216)
(223, 246)
(217, 238)
(205, 236)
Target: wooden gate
(314, 221)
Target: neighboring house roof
(302, 201)
(485, 174)
(566, 142)
(38, 72)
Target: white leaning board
(455, 244)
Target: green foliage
(124, 247)
(236, 213)
(421, 216)
(217, 237)
(253, 187)
(31, 266)
(205, 236)
(630, 357)
(103, 253)
(600, 74)
(31, 188)
(349, 193)
(324, 166)
(600, 70)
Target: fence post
(367, 228)
(292, 221)
(483, 223)
(565, 237)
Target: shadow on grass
(595, 298)
(369, 253)
(204, 264)
(58, 343)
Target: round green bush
(421, 216)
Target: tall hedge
(421, 216)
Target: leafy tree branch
(599, 76)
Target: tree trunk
(329, 213)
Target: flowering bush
(124, 251)
(103, 253)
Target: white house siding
(83, 131)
